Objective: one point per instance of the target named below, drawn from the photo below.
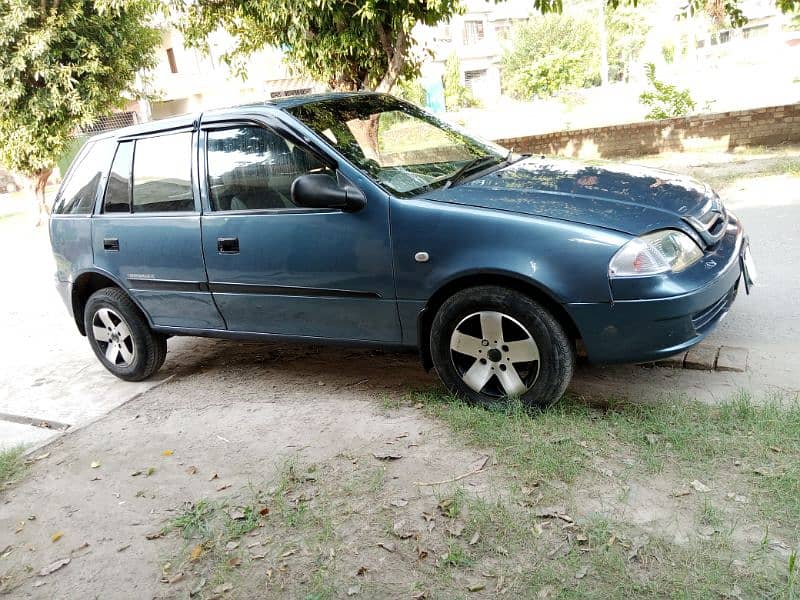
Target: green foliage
(550, 54)
(456, 94)
(63, 65)
(665, 100)
(349, 45)
(410, 90)
(627, 31)
(727, 9)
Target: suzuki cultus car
(361, 219)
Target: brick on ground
(702, 358)
(732, 358)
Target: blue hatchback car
(361, 219)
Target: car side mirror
(317, 190)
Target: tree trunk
(37, 184)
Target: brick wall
(716, 132)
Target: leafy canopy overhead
(349, 44)
(63, 64)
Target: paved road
(48, 374)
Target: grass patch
(696, 439)
(11, 465)
(755, 443)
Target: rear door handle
(228, 245)
(111, 244)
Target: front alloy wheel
(494, 354)
(489, 344)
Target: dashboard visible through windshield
(401, 147)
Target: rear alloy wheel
(490, 344)
(120, 336)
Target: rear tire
(120, 336)
(489, 344)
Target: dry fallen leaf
(224, 486)
(264, 511)
(402, 530)
(234, 561)
(192, 470)
(476, 587)
(456, 528)
(167, 453)
(236, 514)
(475, 537)
(153, 536)
(53, 567)
(698, 486)
(136, 473)
(176, 578)
(150, 471)
(196, 553)
(56, 536)
(399, 502)
(94, 465)
(388, 546)
(288, 553)
(387, 455)
(554, 512)
(213, 477)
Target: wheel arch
(86, 284)
(530, 288)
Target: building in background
(478, 38)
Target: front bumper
(650, 328)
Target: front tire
(490, 344)
(120, 336)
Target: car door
(276, 268)
(147, 233)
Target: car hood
(625, 198)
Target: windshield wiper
(469, 166)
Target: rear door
(277, 268)
(147, 233)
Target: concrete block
(732, 358)
(673, 362)
(702, 358)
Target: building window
(502, 29)
(473, 78)
(755, 31)
(724, 37)
(473, 32)
(173, 66)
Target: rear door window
(80, 190)
(118, 189)
(162, 178)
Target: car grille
(707, 317)
(710, 225)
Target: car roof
(189, 119)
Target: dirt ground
(331, 448)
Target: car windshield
(403, 148)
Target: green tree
(63, 64)
(350, 45)
(456, 94)
(665, 100)
(549, 54)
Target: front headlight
(668, 250)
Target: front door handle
(228, 245)
(111, 244)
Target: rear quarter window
(78, 194)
